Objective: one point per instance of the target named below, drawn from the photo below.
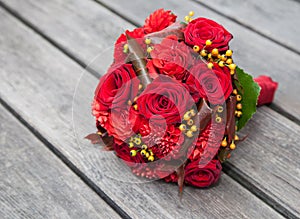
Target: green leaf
(250, 92)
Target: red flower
(159, 20)
(202, 177)
(202, 29)
(123, 152)
(164, 100)
(115, 88)
(119, 54)
(141, 124)
(268, 88)
(171, 178)
(121, 122)
(172, 58)
(214, 85)
(165, 142)
(208, 143)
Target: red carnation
(202, 177)
(208, 143)
(159, 20)
(268, 88)
(165, 142)
(120, 124)
(200, 30)
(164, 100)
(214, 85)
(118, 86)
(172, 58)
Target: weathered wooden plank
(278, 20)
(253, 52)
(269, 157)
(84, 34)
(32, 86)
(36, 184)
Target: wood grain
(36, 184)
(268, 158)
(39, 85)
(278, 20)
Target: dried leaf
(230, 121)
(180, 174)
(138, 60)
(204, 114)
(94, 138)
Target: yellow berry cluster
(148, 43)
(188, 127)
(133, 103)
(224, 59)
(220, 110)
(143, 149)
(189, 18)
(239, 106)
(232, 145)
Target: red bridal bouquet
(173, 99)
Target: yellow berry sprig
(189, 18)
(143, 148)
(148, 42)
(188, 127)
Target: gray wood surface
(92, 30)
(42, 94)
(269, 157)
(36, 184)
(278, 19)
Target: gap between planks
(66, 161)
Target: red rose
(213, 85)
(268, 88)
(200, 30)
(119, 54)
(118, 86)
(202, 177)
(172, 58)
(164, 100)
(159, 20)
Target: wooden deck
(46, 173)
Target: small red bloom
(165, 143)
(159, 20)
(268, 88)
(121, 123)
(172, 58)
(202, 177)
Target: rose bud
(268, 88)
